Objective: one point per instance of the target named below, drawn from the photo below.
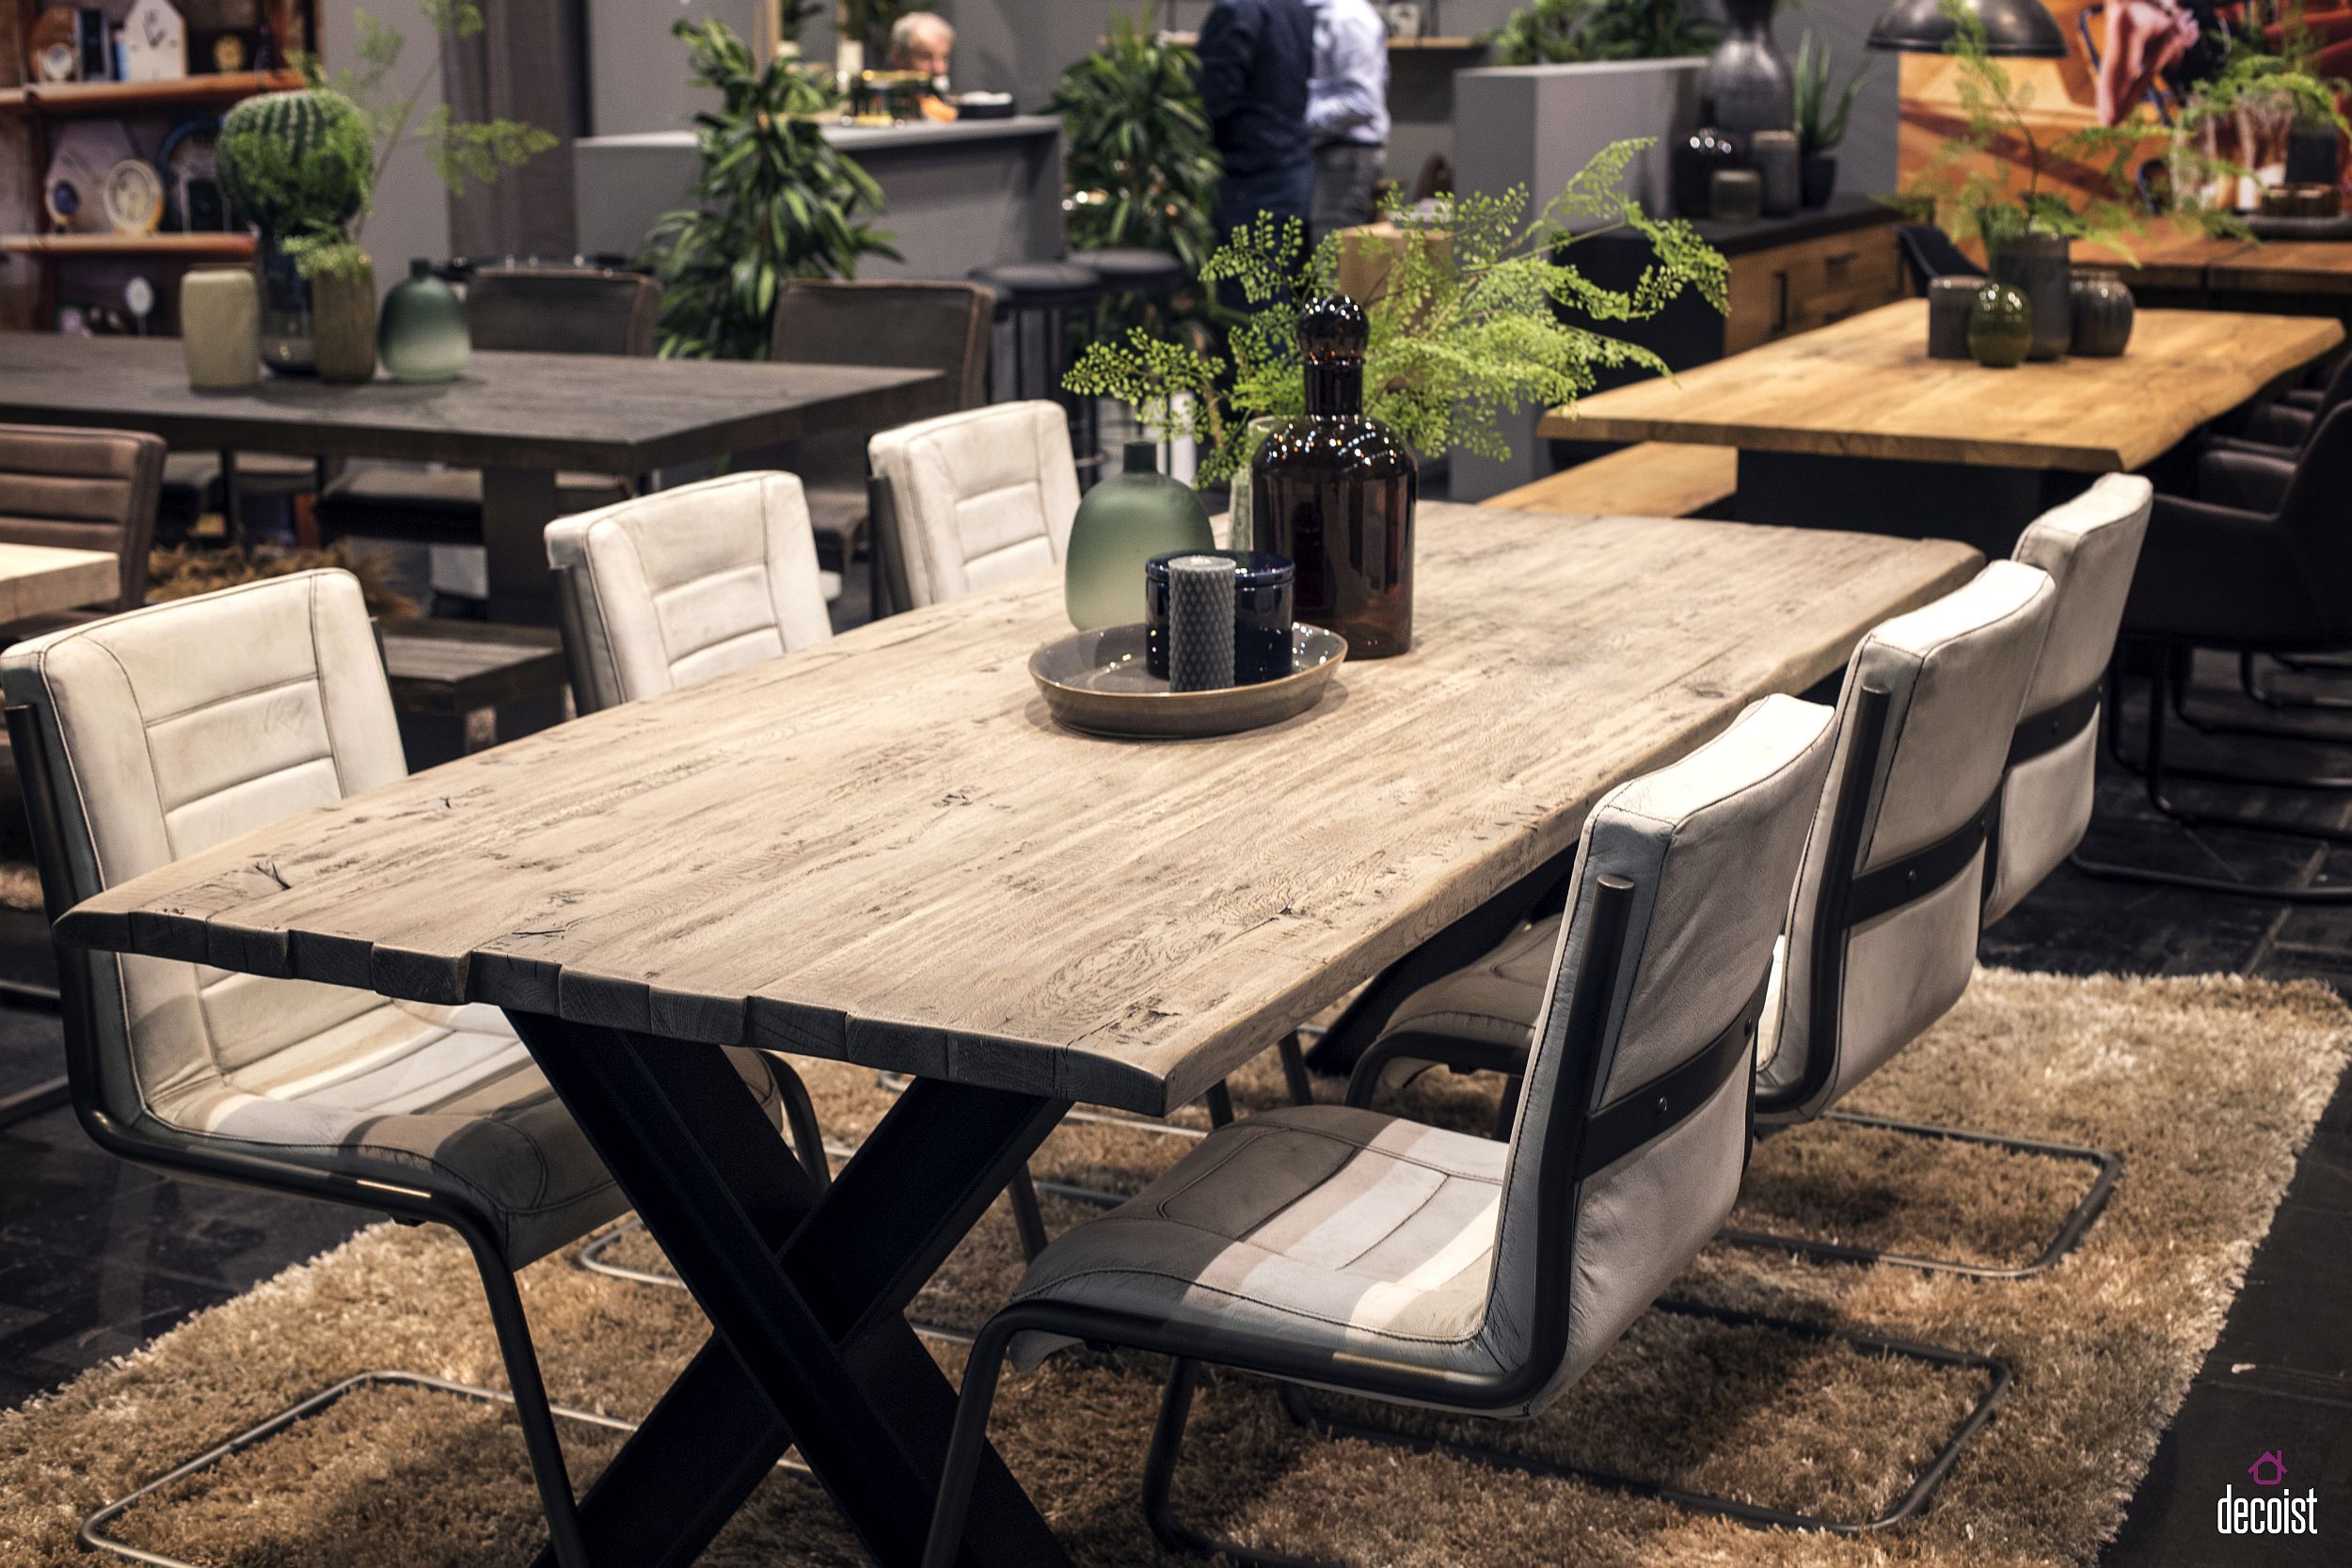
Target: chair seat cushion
(1020, 283)
(442, 1099)
(1122, 268)
(1319, 1229)
(1494, 1000)
(838, 509)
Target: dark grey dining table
(518, 417)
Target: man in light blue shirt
(1347, 111)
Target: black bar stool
(1044, 296)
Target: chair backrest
(83, 490)
(171, 729)
(2089, 547)
(684, 585)
(1881, 937)
(908, 325)
(1632, 1131)
(1929, 254)
(563, 310)
(977, 500)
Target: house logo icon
(2269, 1470)
(2267, 1512)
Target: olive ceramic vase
(422, 335)
(2001, 327)
(2040, 267)
(2103, 315)
(220, 318)
(342, 325)
(1135, 515)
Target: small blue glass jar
(1261, 615)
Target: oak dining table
(521, 418)
(1853, 426)
(882, 850)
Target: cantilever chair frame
(1846, 902)
(1575, 1146)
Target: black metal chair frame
(2166, 675)
(1572, 1143)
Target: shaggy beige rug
(2207, 1088)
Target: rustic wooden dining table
(518, 417)
(1853, 426)
(882, 850)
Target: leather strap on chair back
(83, 490)
(1633, 1126)
(978, 498)
(2089, 547)
(563, 310)
(684, 585)
(1882, 936)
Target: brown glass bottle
(1334, 491)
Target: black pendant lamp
(2013, 27)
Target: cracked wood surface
(881, 849)
(1866, 388)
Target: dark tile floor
(97, 1257)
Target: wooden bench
(1656, 478)
(465, 669)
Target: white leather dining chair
(970, 501)
(681, 586)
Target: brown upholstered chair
(902, 326)
(81, 490)
(526, 310)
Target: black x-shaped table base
(807, 1289)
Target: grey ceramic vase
(2039, 266)
(1747, 85)
(1951, 301)
(1123, 522)
(421, 334)
(1774, 156)
(2103, 315)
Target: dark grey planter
(2039, 266)
(2103, 315)
(1820, 179)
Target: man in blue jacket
(1256, 56)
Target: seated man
(922, 41)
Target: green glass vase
(2000, 327)
(422, 335)
(1124, 521)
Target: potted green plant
(1823, 117)
(1465, 323)
(774, 201)
(1139, 163)
(1578, 32)
(2260, 95)
(300, 165)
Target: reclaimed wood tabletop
(1866, 388)
(882, 848)
(2286, 267)
(42, 579)
(2160, 260)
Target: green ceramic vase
(1123, 522)
(422, 334)
(2001, 327)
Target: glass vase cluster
(1334, 490)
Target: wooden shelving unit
(126, 98)
(186, 247)
(95, 265)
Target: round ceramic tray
(1096, 681)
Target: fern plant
(774, 201)
(1473, 318)
(1553, 32)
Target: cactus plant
(298, 164)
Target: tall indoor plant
(300, 166)
(1472, 318)
(775, 201)
(1823, 117)
(1140, 163)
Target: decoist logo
(2264, 1511)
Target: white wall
(411, 213)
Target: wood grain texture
(2287, 266)
(1657, 478)
(605, 413)
(2160, 260)
(1866, 388)
(881, 850)
(42, 579)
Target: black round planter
(1820, 179)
